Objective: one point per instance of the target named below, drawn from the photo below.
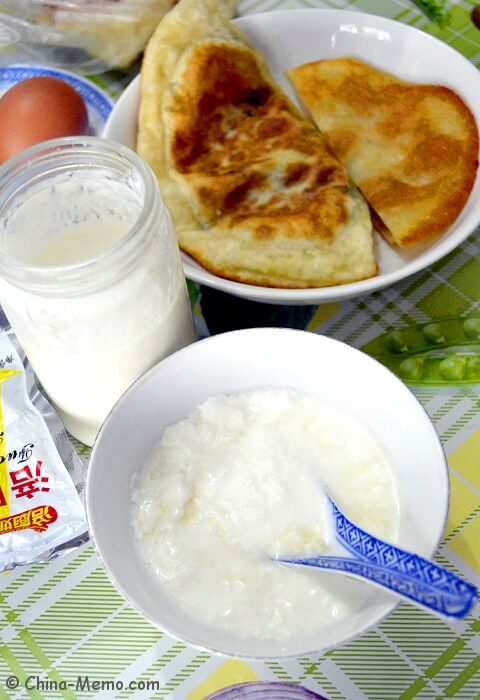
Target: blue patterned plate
(98, 104)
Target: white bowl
(290, 38)
(248, 359)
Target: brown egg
(36, 110)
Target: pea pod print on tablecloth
(446, 351)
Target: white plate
(244, 360)
(290, 38)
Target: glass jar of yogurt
(90, 273)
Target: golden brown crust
(411, 149)
(227, 139)
(380, 227)
(255, 193)
(256, 279)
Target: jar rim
(39, 279)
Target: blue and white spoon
(403, 573)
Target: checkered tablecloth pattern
(65, 619)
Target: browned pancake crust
(433, 166)
(249, 156)
(248, 278)
(254, 192)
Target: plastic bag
(41, 476)
(87, 35)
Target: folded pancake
(411, 149)
(255, 194)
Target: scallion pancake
(411, 149)
(255, 193)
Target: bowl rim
(387, 608)
(439, 248)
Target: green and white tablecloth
(65, 619)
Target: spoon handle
(454, 600)
(427, 576)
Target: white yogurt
(241, 481)
(79, 244)
(101, 296)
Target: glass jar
(90, 273)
